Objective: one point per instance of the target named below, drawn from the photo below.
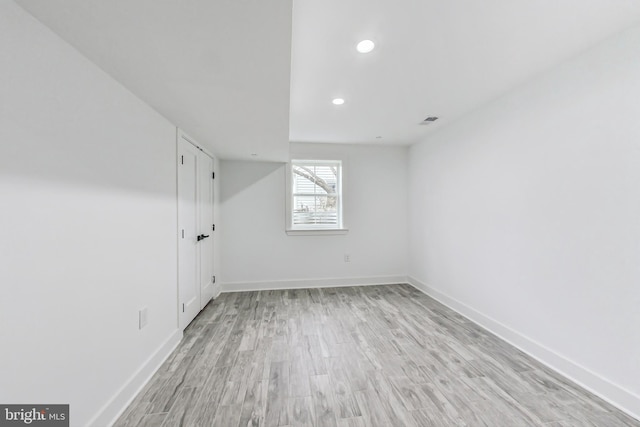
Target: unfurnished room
(264, 213)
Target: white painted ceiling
(230, 73)
(439, 58)
(218, 69)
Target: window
(316, 195)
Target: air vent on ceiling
(429, 120)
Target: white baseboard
(123, 397)
(312, 283)
(618, 396)
(217, 289)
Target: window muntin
(316, 196)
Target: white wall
(525, 215)
(257, 251)
(88, 220)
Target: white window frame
(309, 229)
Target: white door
(206, 228)
(188, 232)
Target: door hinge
(183, 307)
(213, 175)
(183, 234)
(213, 227)
(213, 279)
(182, 160)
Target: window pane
(315, 194)
(315, 179)
(318, 210)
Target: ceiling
(220, 70)
(243, 79)
(433, 58)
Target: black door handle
(202, 237)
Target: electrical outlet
(142, 318)
(347, 258)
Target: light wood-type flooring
(351, 357)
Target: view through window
(316, 194)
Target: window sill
(318, 232)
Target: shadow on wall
(239, 175)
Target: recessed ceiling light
(365, 46)
(338, 101)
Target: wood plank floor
(351, 357)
